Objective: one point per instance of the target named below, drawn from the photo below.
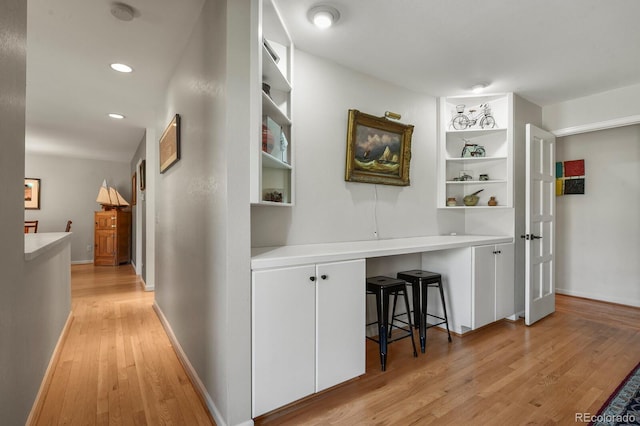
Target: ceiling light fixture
(121, 67)
(323, 16)
(478, 88)
(116, 116)
(123, 12)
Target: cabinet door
(105, 247)
(483, 287)
(283, 336)
(340, 322)
(505, 277)
(106, 220)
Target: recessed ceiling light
(121, 67)
(323, 16)
(116, 116)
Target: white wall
(599, 111)
(202, 243)
(28, 325)
(328, 208)
(69, 187)
(598, 233)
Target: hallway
(117, 365)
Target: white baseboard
(600, 297)
(81, 262)
(191, 372)
(48, 375)
(515, 316)
(146, 286)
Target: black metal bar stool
(420, 282)
(383, 287)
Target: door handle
(531, 237)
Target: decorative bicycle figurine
(472, 149)
(461, 121)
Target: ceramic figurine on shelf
(451, 202)
(492, 201)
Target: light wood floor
(504, 374)
(117, 365)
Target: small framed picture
(134, 189)
(32, 194)
(170, 145)
(142, 173)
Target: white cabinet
(272, 153)
(308, 330)
(478, 284)
(492, 283)
(494, 160)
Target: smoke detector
(122, 11)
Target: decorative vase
(492, 201)
(451, 202)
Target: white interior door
(540, 225)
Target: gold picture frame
(142, 172)
(170, 144)
(134, 189)
(378, 150)
(31, 194)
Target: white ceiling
(70, 87)
(546, 50)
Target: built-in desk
(282, 256)
(308, 305)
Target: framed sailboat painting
(378, 149)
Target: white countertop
(40, 242)
(282, 256)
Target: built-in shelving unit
(496, 161)
(272, 175)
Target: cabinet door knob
(324, 277)
(312, 278)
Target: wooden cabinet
(308, 330)
(492, 283)
(272, 155)
(112, 237)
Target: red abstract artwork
(574, 168)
